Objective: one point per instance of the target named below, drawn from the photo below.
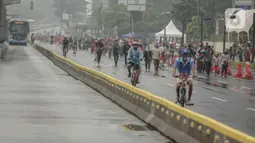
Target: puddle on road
(134, 127)
(63, 74)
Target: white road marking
(247, 88)
(219, 99)
(220, 81)
(170, 84)
(194, 92)
(251, 109)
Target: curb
(221, 84)
(226, 85)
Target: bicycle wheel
(183, 97)
(133, 79)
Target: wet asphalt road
(231, 108)
(40, 103)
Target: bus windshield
(19, 28)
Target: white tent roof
(171, 31)
(245, 19)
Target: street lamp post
(165, 21)
(224, 34)
(253, 38)
(202, 29)
(62, 11)
(99, 21)
(201, 32)
(126, 13)
(198, 14)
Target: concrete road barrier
(180, 124)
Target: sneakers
(177, 100)
(189, 103)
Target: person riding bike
(135, 56)
(184, 65)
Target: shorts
(178, 80)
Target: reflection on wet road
(40, 103)
(229, 107)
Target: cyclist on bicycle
(184, 65)
(134, 58)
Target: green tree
(183, 11)
(117, 15)
(192, 28)
(150, 22)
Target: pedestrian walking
(148, 57)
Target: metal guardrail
(181, 124)
(44, 27)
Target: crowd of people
(186, 59)
(160, 54)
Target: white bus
(18, 32)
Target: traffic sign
(136, 5)
(243, 2)
(136, 2)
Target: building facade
(95, 4)
(244, 4)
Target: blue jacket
(184, 67)
(134, 56)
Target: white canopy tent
(171, 31)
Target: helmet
(185, 51)
(134, 43)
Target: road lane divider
(251, 109)
(219, 99)
(180, 124)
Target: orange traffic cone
(247, 73)
(229, 72)
(238, 73)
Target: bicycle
(183, 99)
(135, 75)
